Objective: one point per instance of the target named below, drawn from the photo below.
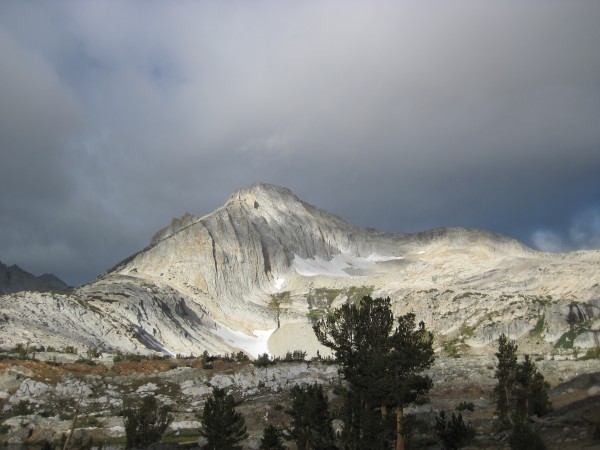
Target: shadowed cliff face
(267, 261)
(14, 279)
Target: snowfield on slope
(338, 265)
(253, 345)
(279, 284)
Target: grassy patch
(316, 314)
(592, 353)
(320, 300)
(542, 300)
(323, 297)
(468, 295)
(356, 293)
(539, 326)
(279, 298)
(565, 342)
(452, 348)
(466, 331)
(427, 291)
(181, 436)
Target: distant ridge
(14, 279)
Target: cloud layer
(117, 116)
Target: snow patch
(338, 265)
(254, 345)
(279, 283)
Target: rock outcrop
(267, 261)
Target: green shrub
(417, 432)
(296, 355)
(23, 408)
(241, 357)
(592, 353)
(92, 352)
(206, 360)
(453, 433)
(465, 406)
(118, 356)
(263, 360)
(523, 437)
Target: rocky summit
(253, 274)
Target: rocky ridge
(254, 273)
(14, 279)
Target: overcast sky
(116, 116)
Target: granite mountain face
(254, 273)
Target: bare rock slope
(254, 273)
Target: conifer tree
(382, 364)
(222, 426)
(271, 439)
(505, 372)
(531, 390)
(521, 391)
(311, 422)
(145, 424)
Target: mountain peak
(258, 193)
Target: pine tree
(146, 424)
(271, 439)
(505, 373)
(311, 422)
(531, 390)
(382, 365)
(358, 335)
(521, 391)
(222, 426)
(410, 353)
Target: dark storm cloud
(116, 116)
